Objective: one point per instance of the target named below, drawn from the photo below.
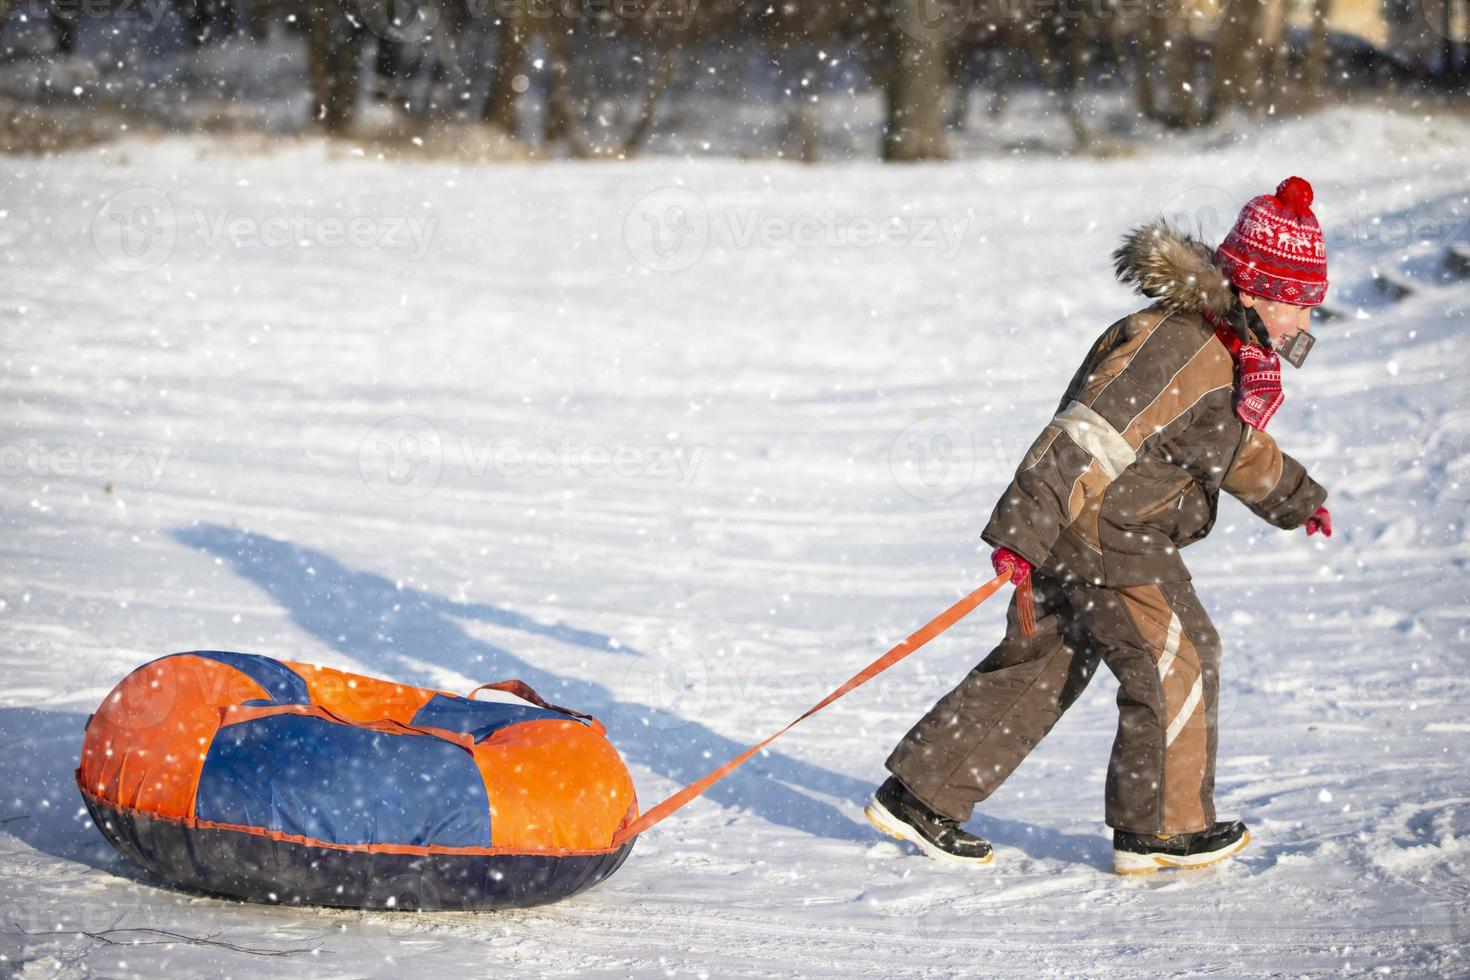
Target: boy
(1169, 407)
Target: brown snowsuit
(1128, 472)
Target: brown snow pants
(1156, 639)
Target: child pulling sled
(1169, 408)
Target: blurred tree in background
(598, 78)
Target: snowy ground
(689, 483)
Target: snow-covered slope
(691, 482)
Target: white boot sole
(1127, 863)
(879, 816)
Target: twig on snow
(110, 937)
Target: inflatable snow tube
(285, 782)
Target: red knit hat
(1275, 250)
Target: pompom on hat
(1276, 251)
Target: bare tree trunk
(564, 110)
(809, 131)
(64, 26)
(1315, 69)
(958, 66)
(510, 60)
(1176, 54)
(1274, 55)
(1079, 55)
(1163, 49)
(916, 87)
(1460, 76)
(799, 81)
(336, 50)
(1241, 57)
(1144, 98)
(1447, 43)
(449, 79)
(1063, 81)
(668, 60)
(1000, 92)
(258, 18)
(561, 114)
(207, 20)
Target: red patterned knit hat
(1275, 250)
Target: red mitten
(1005, 560)
(1320, 521)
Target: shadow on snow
(391, 631)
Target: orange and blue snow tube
(286, 782)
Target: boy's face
(1281, 319)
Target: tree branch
(110, 937)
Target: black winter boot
(1135, 854)
(899, 813)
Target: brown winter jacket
(1130, 469)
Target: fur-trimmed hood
(1173, 269)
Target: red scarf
(1258, 391)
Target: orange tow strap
(917, 639)
(524, 691)
(1026, 606)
